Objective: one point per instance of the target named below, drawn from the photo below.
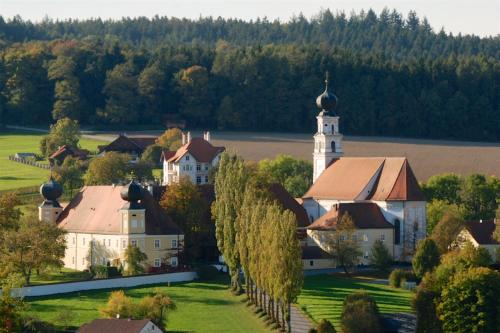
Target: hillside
(393, 76)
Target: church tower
(50, 209)
(327, 140)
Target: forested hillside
(394, 76)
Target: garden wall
(124, 282)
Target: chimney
(206, 136)
(183, 138)
(188, 137)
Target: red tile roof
(365, 215)
(96, 209)
(81, 153)
(482, 231)
(201, 149)
(367, 178)
(288, 202)
(115, 326)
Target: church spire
(327, 140)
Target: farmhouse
(62, 152)
(134, 146)
(480, 234)
(194, 159)
(120, 325)
(381, 193)
(101, 221)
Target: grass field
(322, 296)
(427, 157)
(16, 175)
(201, 307)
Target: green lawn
(16, 175)
(59, 275)
(201, 307)
(322, 296)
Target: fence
(32, 163)
(123, 282)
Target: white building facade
(195, 159)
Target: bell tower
(327, 140)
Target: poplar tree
(230, 185)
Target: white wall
(125, 282)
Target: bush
(104, 272)
(470, 302)
(397, 277)
(325, 326)
(360, 314)
(425, 308)
(207, 272)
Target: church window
(83, 241)
(397, 231)
(333, 128)
(333, 146)
(74, 240)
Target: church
(381, 194)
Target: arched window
(397, 231)
(333, 128)
(333, 146)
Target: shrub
(360, 314)
(325, 326)
(380, 257)
(397, 277)
(425, 307)
(104, 272)
(470, 302)
(426, 257)
(207, 273)
(118, 304)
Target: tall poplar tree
(230, 185)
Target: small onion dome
(51, 190)
(327, 101)
(132, 192)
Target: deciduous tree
(343, 245)
(134, 259)
(426, 258)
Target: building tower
(327, 140)
(133, 212)
(50, 209)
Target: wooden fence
(28, 162)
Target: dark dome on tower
(327, 101)
(51, 190)
(132, 192)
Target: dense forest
(394, 76)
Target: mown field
(207, 307)
(16, 175)
(322, 297)
(427, 157)
(210, 307)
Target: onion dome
(327, 101)
(132, 192)
(51, 190)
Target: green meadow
(322, 296)
(14, 175)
